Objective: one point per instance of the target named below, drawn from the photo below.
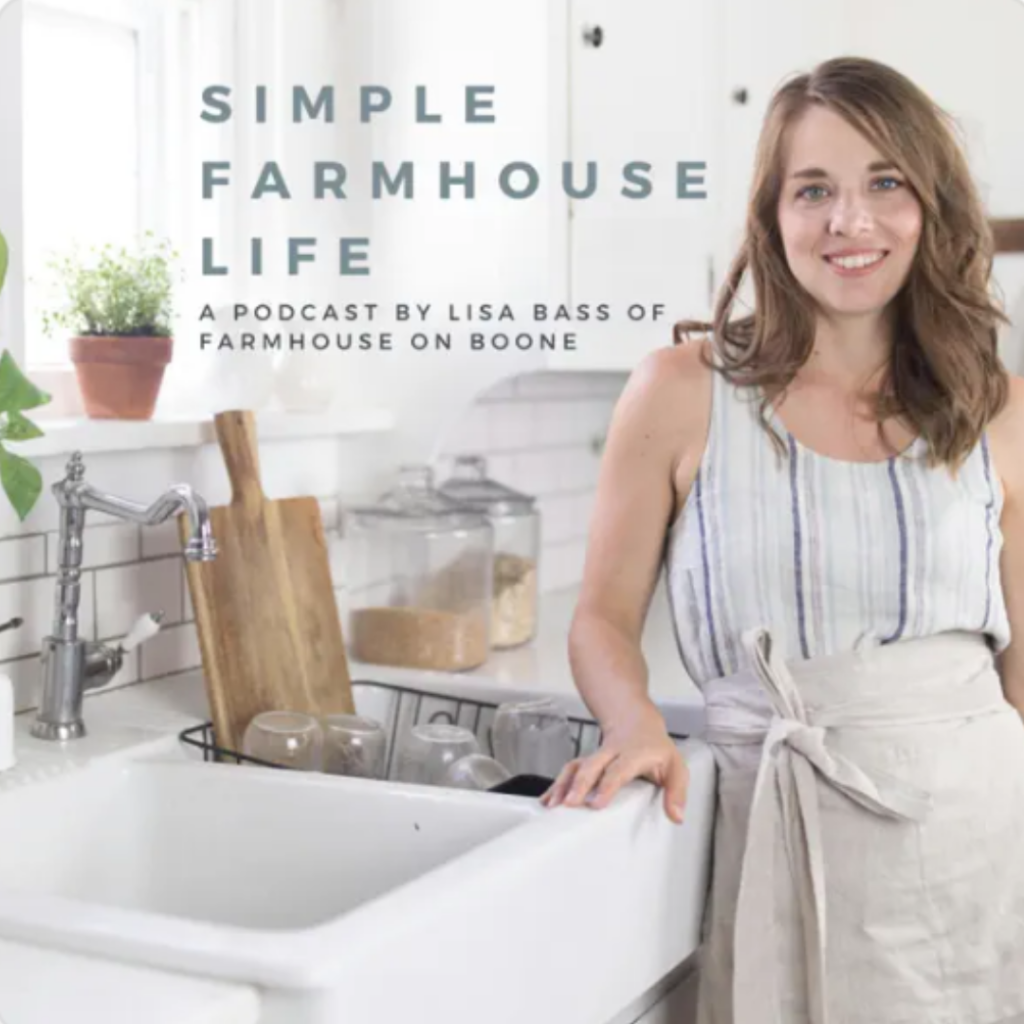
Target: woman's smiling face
(849, 221)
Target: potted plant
(118, 306)
(22, 482)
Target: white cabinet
(802, 33)
(640, 89)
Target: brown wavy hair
(944, 377)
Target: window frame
(165, 31)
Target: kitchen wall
(541, 433)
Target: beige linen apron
(869, 839)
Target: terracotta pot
(119, 377)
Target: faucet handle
(146, 626)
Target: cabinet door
(639, 90)
(802, 33)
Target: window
(105, 90)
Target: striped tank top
(827, 554)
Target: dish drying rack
(398, 709)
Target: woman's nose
(849, 217)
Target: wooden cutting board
(265, 609)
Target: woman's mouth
(856, 264)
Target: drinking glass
(430, 749)
(354, 745)
(288, 738)
(532, 737)
(475, 771)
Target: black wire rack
(399, 709)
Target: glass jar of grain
(417, 574)
(516, 523)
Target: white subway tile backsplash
(338, 558)
(501, 468)
(501, 391)
(172, 650)
(562, 565)
(559, 424)
(126, 592)
(117, 544)
(595, 415)
(162, 539)
(21, 557)
(329, 513)
(473, 434)
(24, 674)
(582, 508)
(576, 468)
(507, 429)
(557, 515)
(536, 473)
(537, 432)
(569, 385)
(33, 600)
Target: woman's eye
(888, 184)
(812, 192)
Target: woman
(835, 487)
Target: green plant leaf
(22, 482)
(4, 255)
(19, 428)
(16, 390)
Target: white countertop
(39, 986)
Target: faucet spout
(201, 546)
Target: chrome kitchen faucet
(70, 665)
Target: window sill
(64, 436)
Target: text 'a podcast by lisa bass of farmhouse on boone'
(283, 326)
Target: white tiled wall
(541, 434)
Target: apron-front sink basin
(175, 856)
(346, 899)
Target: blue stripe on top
(896, 554)
(798, 545)
(989, 539)
(901, 526)
(705, 565)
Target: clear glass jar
(516, 523)
(417, 571)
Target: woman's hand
(639, 749)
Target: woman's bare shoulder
(669, 396)
(1006, 434)
(677, 375)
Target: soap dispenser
(7, 711)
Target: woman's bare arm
(654, 446)
(1007, 436)
(655, 439)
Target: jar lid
(470, 485)
(415, 501)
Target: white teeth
(855, 262)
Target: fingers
(555, 793)
(577, 779)
(677, 782)
(617, 774)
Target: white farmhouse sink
(356, 900)
(135, 843)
